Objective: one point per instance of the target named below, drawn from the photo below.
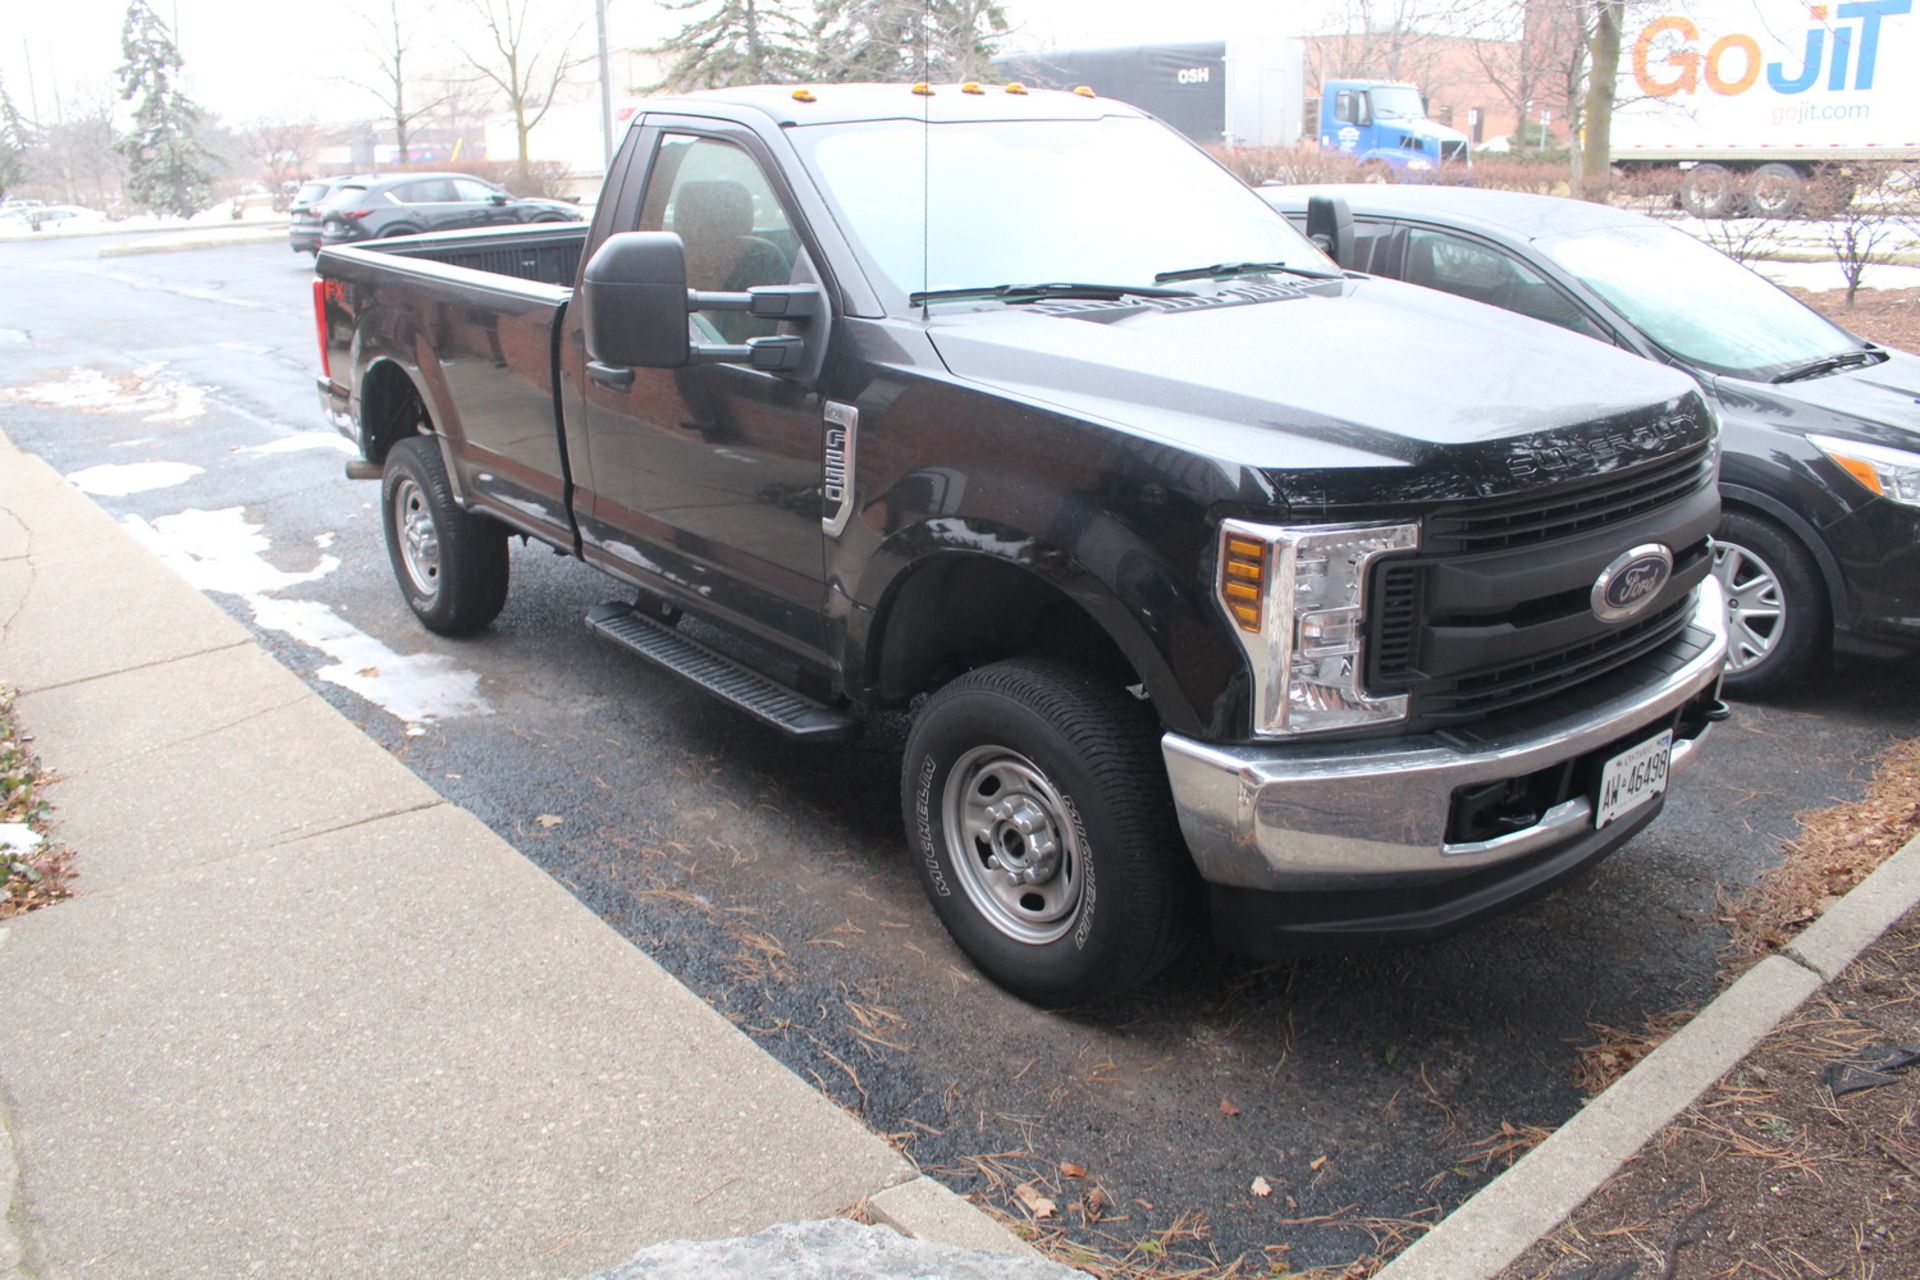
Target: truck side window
(713, 195)
(1483, 273)
(1343, 107)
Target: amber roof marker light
(1085, 91)
(1016, 88)
(804, 95)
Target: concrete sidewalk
(307, 1018)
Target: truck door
(708, 478)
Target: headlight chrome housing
(1891, 473)
(1296, 597)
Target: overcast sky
(246, 59)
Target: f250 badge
(842, 425)
(1631, 582)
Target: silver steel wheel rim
(1756, 606)
(419, 539)
(1016, 850)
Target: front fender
(1129, 591)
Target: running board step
(758, 695)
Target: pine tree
(893, 40)
(166, 165)
(737, 42)
(14, 140)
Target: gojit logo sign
(1842, 48)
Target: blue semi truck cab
(1385, 122)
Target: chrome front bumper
(1374, 814)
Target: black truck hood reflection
(1365, 392)
(1880, 403)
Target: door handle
(611, 376)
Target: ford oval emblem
(1631, 582)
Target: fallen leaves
(549, 820)
(1039, 1205)
(1318, 1164)
(1068, 1169)
(1227, 1108)
(1262, 1188)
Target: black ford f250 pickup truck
(1213, 576)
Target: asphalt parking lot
(771, 878)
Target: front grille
(1562, 512)
(1504, 688)
(1396, 611)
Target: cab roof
(848, 103)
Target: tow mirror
(1330, 226)
(635, 294)
(636, 298)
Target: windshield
(1696, 302)
(1112, 201)
(1397, 102)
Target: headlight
(1891, 473)
(1419, 166)
(1297, 600)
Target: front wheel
(1777, 615)
(1043, 830)
(451, 564)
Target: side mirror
(635, 294)
(1330, 226)
(498, 198)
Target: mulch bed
(1887, 316)
(1803, 1162)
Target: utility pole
(606, 88)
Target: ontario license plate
(1633, 778)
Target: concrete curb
(1480, 1238)
(96, 233)
(215, 241)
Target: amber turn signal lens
(1861, 471)
(1243, 579)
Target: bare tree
(15, 140)
(75, 157)
(280, 150)
(1873, 212)
(530, 59)
(1392, 39)
(392, 44)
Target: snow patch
(303, 441)
(13, 338)
(17, 838)
(149, 392)
(222, 551)
(414, 687)
(117, 480)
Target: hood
(1417, 393)
(1880, 403)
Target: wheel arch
(940, 613)
(1736, 497)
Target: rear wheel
(1778, 623)
(1775, 191)
(1043, 830)
(1710, 191)
(450, 563)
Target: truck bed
(473, 317)
(543, 254)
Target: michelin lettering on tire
(922, 808)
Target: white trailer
(1749, 95)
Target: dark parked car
(410, 203)
(304, 211)
(1819, 545)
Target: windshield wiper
(1220, 270)
(1047, 289)
(1831, 364)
